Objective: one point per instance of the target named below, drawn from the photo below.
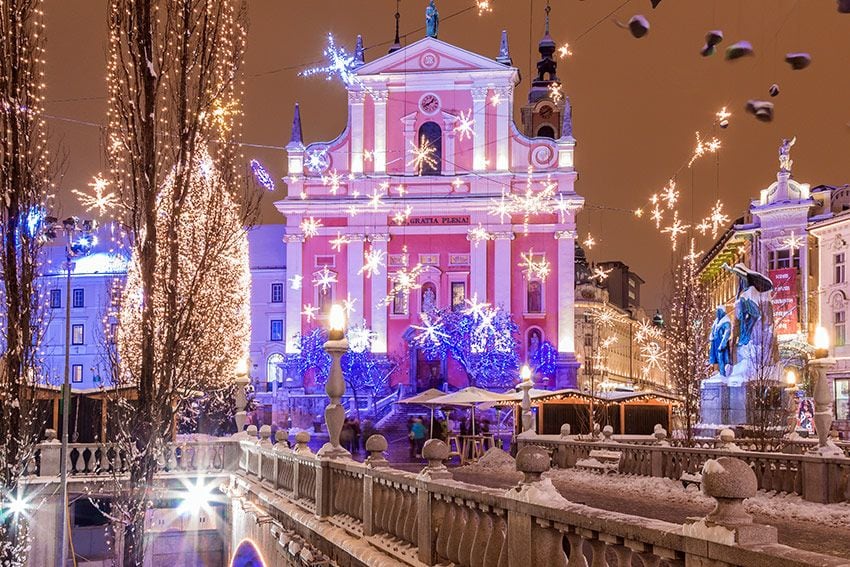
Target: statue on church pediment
(785, 161)
(432, 20)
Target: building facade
(432, 177)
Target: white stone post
(379, 98)
(479, 128)
(294, 267)
(355, 104)
(503, 117)
(527, 417)
(566, 290)
(449, 157)
(824, 401)
(354, 281)
(478, 269)
(336, 346)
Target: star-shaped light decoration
(360, 337)
(675, 229)
(429, 330)
(646, 331)
(608, 342)
(423, 155)
(309, 312)
(400, 217)
(332, 180)
(555, 93)
(723, 117)
(534, 267)
(295, 281)
(339, 64)
(717, 218)
(792, 242)
(564, 51)
(495, 99)
(638, 212)
(563, 206)
(352, 210)
(324, 279)
(657, 215)
(375, 199)
(262, 175)
(373, 261)
(339, 241)
(652, 354)
(317, 160)
(501, 208)
(474, 307)
(479, 234)
(484, 7)
(693, 255)
(703, 147)
(603, 317)
(457, 184)
(348, 305)
(601, 273)
(368, 155)
(589, 242)
(670, 195)
(310, 227)
(101, 199)
(464, 124)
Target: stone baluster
(50, 454)
(281, 438)
(435, 452)
(265, 436)
(336, 346)
(302, 438)
(376, 445)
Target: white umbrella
(425, 399)
(470, 396)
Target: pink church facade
(443, 215)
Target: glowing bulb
(242, 367)
(337, 322)
(791, 377)
(525, 373)
(198, 497)
(821, 341)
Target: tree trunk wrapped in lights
(25, 178)
(172, 143)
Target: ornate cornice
(290, 238)
(566, 234)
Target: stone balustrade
(426, 520)
(815, 478)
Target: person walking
(419, 433)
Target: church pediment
(429, 55)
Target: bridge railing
(421, 519)
(815, 478)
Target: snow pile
(713, 466)
(496, 460)
(702, 530)
(794, 507)
(542, 493)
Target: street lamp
(791, 404)
(336, 346)
(79, 240)
(823, 395)
(526, 384)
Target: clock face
(546, 112)
(429, 103)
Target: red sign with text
(784, 300)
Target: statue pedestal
(566, 371)
(722, 403)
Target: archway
(430, 133)
(247, 555)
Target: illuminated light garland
(102, 200)
(555, 93)
(401, 216)
(262, 175)
(532, 267)
(317, 160)
(474, 307)
(703, 147)
(670, 195)
(723, 117)
(310, 227)
(309, 312)
(340, 240)
(375, 199)
(479, 234)
(430, 331)
(563, 206)
(484, 7)
(324, 279)
(792, 242)
(339, 64)
(608, 342)
(295, 281)
(657, 215)
(715, 220)
(601, 273)
(675, 229)
(348, 305)
(647, 331)
(564, 51)
(360, 337)
(601, 316)
(463, 127)
(332, 180)
(423, 155)
(589, 242)
(495, 99)
(373, 261)
(638, 212)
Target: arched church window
(534, 297)
(546, 131)
(428, 298)
(274, 373)
(431, 136)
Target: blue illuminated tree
(542, 361)
(482, 341)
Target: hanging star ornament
(324, 279)
(348, 305)
(310, 227)
(479, 234)
(309, 312)
(589, 242)
(669, 195)
(101, 199)
(464, 124)
(423, 155)
(339, 241)
(339, 64)
(475, 308)
(534, 267)
(429, 331)
(295, 281)
(675, 229)
(373, 261)
(792, 242)
(704, 147)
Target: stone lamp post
(791, 405)
(823, 395)
(526, 385)
(336, 346)
(241, 401)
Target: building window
(399, 301)
(324, 299)
(55, 298)
(428, 297)
(76, 373)
(534, 297)
(79, 296)
(277, 293)
(276, 331)
(431, 136)
(839, 268)
(274, 373)
(77, 334)
(778, 259)
(842, 399)
(839, 328)
(458, 295)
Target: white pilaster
(449, 158)
(294, 266)
(355, 110)
(478, 269)
(379, 292)
(380, 159)
(502, 270)
(354, 280)
(566, 290)
(479, 128)
(502, 120)
(409, 122)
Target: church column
(566, 290)
(354, 279)
(449, 158)
(380, 101)
(502, 269)
(479, 128)
(503, 117)
(355, 104)
(294, 267)
(477, 269)
(409, 122)
(379, 292)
